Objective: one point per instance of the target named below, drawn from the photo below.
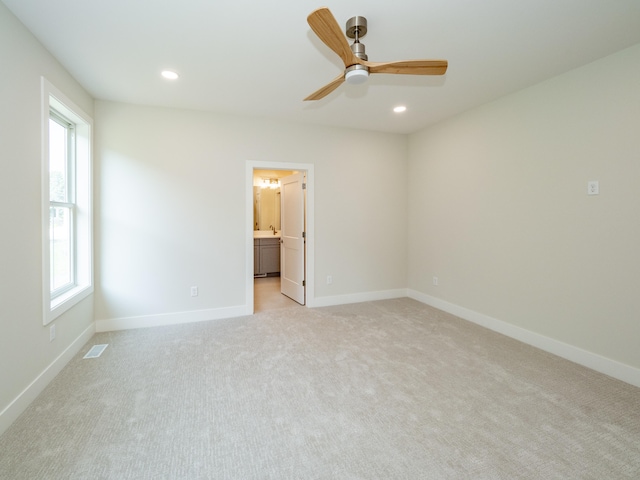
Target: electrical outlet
(52, 333)
(194, 291)
(435, 281)
(593, 187)
(329, 279)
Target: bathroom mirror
(266, 198)
(266, 208)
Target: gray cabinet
(266, 256)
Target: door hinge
(304, 186)
(304, 283)
(304, 234)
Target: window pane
(57, 162)
(60, 247)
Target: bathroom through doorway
(280, 243)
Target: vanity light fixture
(270, 183)
(170, 75)
(400, 109)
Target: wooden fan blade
(326, 27)
(327, 89)
(409, 67)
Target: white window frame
(82, 227)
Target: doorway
(264, 290)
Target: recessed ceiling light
(169, 75)
(399, 109)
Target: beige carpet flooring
(379, 390)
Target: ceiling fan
(356, 63)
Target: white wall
(27, 358)
(499, 212)
(170, 209)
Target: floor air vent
(96, 351)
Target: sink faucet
(273, 228)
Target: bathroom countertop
(265, 234)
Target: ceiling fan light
(356, 76)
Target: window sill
(64, 302)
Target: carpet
(392, 389)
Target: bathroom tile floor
(267, 296)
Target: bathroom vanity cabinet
(266, 256)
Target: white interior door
(292, 252)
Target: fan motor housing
(358, 51)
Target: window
(61, 204)
(66, 169)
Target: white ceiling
(258, 58)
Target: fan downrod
(357, 28)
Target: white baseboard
(29, 394)
(175, 318)
(359, 297)
(582, 357)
